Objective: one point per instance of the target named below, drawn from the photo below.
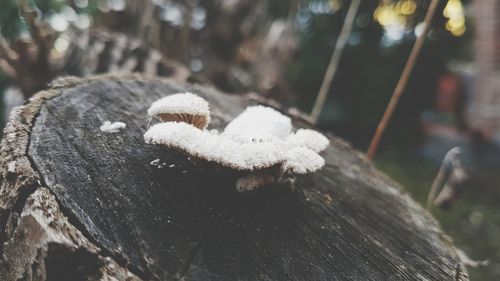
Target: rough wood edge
(44, 238)
(19, 181)
(26, 206)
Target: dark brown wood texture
(126, 217)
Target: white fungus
(114, 127)
(308, 138)
(182, 107)
(257, 139)
(301, 160)
(258, 124)
(214, 148)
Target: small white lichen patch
(257, 139)
(114, 127)
(157, 163)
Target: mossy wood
(80, 204)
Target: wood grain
(182, 221)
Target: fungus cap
(182, 107)
(259, 124)
(311, 139)
(301, 160)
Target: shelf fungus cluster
(259, 143)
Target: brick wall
(484, 108)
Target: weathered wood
(120, 216)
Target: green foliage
(10, 21)
(473, 221)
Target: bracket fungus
(259, 143)
(183, 107)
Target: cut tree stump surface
(78, 202)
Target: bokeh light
(454, 11)
(398, 16)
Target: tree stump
(80, 204)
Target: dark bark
(75, 201)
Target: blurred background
(281, 49)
